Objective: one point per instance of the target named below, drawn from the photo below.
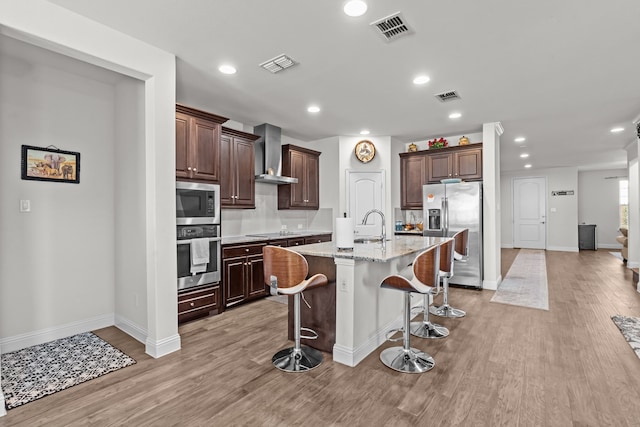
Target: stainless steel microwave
(197, 203)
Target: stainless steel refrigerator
(449, 208)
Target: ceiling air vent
(279, 63)
(447, 96)
(392, 27)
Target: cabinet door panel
(256, 276)
(413, 176)
(182, 145)
(227, 182)
(439, 166)
(244, 159)
(313, 182)
(234, 280)
(468, 164)
(206, 150)
(297, 171)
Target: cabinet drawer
(207, 298)
(296, 242)
(280, 242)
(317, 239)
(236, 251)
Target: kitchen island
(364, 311)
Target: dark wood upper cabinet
(237, 169)
(197, 144)
(430, 166)
(464, 162)
(413, 175)
(304, 164)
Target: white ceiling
(560, 73)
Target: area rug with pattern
(34, 372)
(630, 328)
(526, 281)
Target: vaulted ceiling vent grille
(279, 63)
(392, 27)
(447, 96)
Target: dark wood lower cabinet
(243, 273)
(199, 302)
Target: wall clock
(365, 151)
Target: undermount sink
(372, 239)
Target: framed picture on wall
(50, 164)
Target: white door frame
(541, 218)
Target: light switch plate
(25, 205)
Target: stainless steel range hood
(269, 155)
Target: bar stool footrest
(309, 337)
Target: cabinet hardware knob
(246, 250)
(189, 168)
(194, 169)
(192, 304)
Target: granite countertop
(397, 246)
(266, 237)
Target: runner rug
(630, 328)
(44, 369)
(526, 281)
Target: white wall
(562, 225)
(56, 262)
(129, 187)
(598, 203)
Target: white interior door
(529, 207)
(365, 191)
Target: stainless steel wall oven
(198, 234)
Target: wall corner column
(491, 133)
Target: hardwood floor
(502, 365)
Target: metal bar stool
(461, 251)
(285, 271)
(405, 358)
(425, 328)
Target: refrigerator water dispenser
(434, 219)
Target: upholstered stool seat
(285, 271)
(405, 358)
(460, 253)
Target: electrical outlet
(299, 226)
(25, 205)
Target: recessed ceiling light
(616, 130)
(524, 155)
(313, 109)
(420, 80)
(227, 69)
(520, 139)
(364, 132)
(528, 165)
(455, 115)
(355, 8)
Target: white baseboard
(491, 285)
(130, 328)
(3, 409)
(162, 347)
(506, 245)
(42, 336)
(609, 246)
(563, 248)
(633, 264)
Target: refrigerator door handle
(445, 211)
